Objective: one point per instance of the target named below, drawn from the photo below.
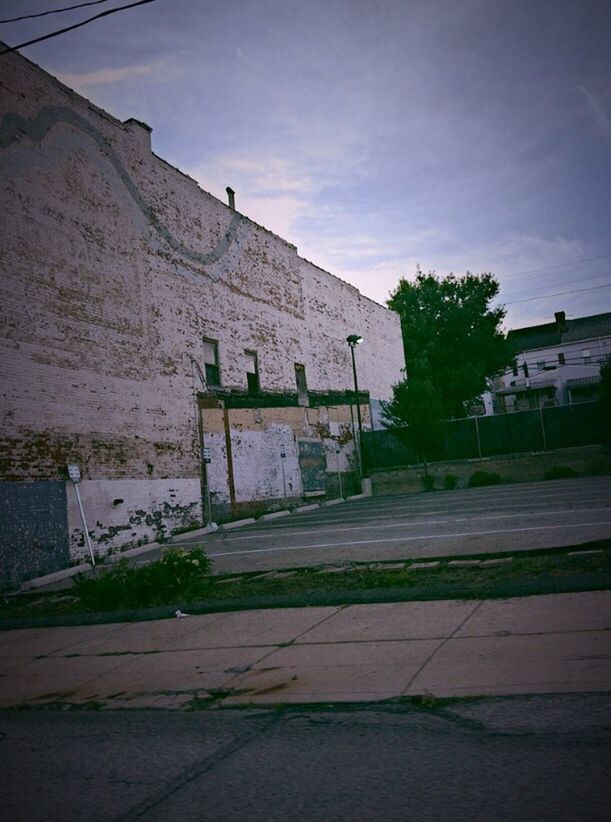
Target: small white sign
(206, 455)
(74, 472)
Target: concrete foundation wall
(594, 459)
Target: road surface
(501, 518)
(542, 758)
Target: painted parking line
(426, 538)
(444, 504)
(407, 523)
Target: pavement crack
(197, 769)
(441, 645)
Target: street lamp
(353, 340)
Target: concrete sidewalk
(541, 644)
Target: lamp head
(354, 339)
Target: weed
(426, 700)
(428, 482)
(178, 577)
(186, 528)
(480, 478)
(450, 482)
(560, 472)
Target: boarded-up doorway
(313, 466)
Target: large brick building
(143, 319)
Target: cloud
(106, 76)
(270, 189)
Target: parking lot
(502, 518)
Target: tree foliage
(418, 402)
(604, 388)
(452, 339)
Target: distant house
(555, 363)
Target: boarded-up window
(211, 363)
(302, 387)
(252, 371)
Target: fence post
(479, 444)
(543, 428)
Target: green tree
(604, 392)
(418, 402)
(452, 341)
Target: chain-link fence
(542, 429)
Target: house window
(252, 371)
(211, 363)
(514, 368)
(561, 358)
(586, 355)
(540, 365)
(302, 387)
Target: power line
(558, 294)
(569, 282)
(562, 265)
(52, 11)
(75, 26)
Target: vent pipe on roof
(231, 197)
(560, 317)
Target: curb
(275, 515)
(112, 559)
(58, 580)
(239, 523)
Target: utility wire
(568, 282)
(557, 294)
(52, 11)
(75, 26)
(562, 265)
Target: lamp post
(353, 340)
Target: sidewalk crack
(434, 653)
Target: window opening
(252, 372)
(302, 387)
(211, 364)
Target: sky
(380, 135)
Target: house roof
(542, 336)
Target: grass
(544, 571)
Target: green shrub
(179, 576)
(481, 478)
(560, 472)
(428, 482)
(450, 482)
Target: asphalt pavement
(543, 758)
(504, 518)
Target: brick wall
(114, 267)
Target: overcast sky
(454, 134)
